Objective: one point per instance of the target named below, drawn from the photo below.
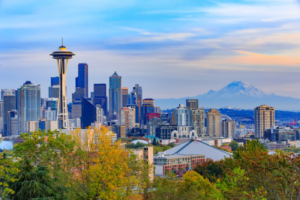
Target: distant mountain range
(237, 94)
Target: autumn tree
(103, 170)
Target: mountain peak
(241, 88)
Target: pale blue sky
(171, 48)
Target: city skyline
(173, 43)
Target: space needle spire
(62, 57)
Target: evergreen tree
(36, 183)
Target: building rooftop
(197, 147)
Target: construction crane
(294, 123)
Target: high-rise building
(9, 104)
(1, 116)
(149, 101)
(127, 117)
(62, 57)
(115, 95)
(192, 103)
(183, 116)
(82, 80)
(152, 124)
(100, 97)
(29, 101)
(124, 97)
(76, 109)
(50, 115)
(88, 113)
(146, 109)
(12, 122)
(139, 98)
(199, 121)
(54, 81)
(78, 94)
(52, 103)
(4, 91)
(264, 119)
(136, 112)
(99, 115)
(228, 128)
(54, 91)
(213, 123)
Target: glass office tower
(100, 97)
(82, 80)
(115, 95)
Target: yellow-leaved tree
(103, 169)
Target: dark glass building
(54, 81)
(146, 109)
(88, 113)
(100, 97)
(9, 104)
(82, 80)
(192, 103)
(115, 95)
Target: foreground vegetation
(52, 165)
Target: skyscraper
(54, 81)
(264, 117)
(192, 103)
(199, 121)
(100, 97)
(183, 116)
(4, 91)
(213, 123)
(29, 101)
(89, 113)
(62, 57)
(9, 103)
(82, 80)
(124, 97)
(127, 117)
(1, 116)
(12, 122)
(115, 95)
(228, 128)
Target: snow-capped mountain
(237, 94)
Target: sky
(172, 48)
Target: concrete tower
(62, 57)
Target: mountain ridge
(236, 94)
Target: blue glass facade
(52, 104)
(82, 80)
(54, 81)
(115, 94)
(88, 113)
(29, 105)
(42, 125)
(100, 97)
(146, 109)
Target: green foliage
(234, 145)
(50, 149)
(213, 170)
(235, 186)
(8, 170)
(161, 148)
(251, 146)
(172, 145)
(35, 183)
(136, 146)
(291, 149)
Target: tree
(211, 170)
(8, 169)
(234, 145)
(199, 186)
(235, 187)
(251, 147)
(37, 183)
(50, 149)
(103, 170)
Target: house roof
(196, 147)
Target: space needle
(62, 57)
